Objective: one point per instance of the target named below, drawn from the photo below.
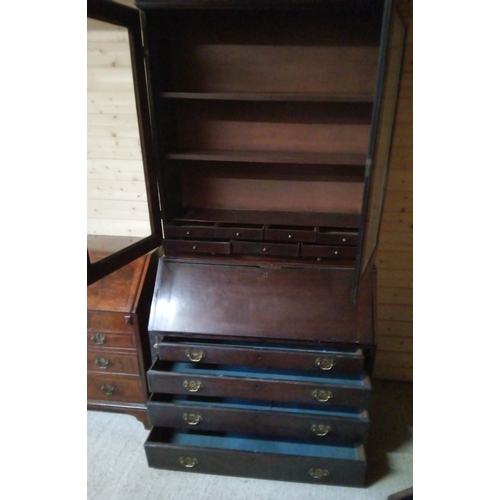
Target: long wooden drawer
(110, 321)
(102, 360)
(255, 354)
(246, 455)
(108, 387)
(116, 340)
(259, 383)
(259, 417)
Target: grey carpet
(117, 468)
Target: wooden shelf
(271, 157)
(270, 96)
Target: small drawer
(104, 361)
(259, 417)
(108, 321)
(105, 339)
(246, 455)
(259, 383)
(327, 252)
(271, 355)
(233, 231)
(290, 233)
(335, 236)
(276, 249)
(104, 387)
(215, 247)
(189, 229)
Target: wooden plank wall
(114, 153)
(116, 197)
(394, 258)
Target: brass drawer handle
(322, 395)
(108, 389)
(321, 430)
(195, 355)
(192, 419)
(192, 385)
(188, 461)
(98, 338)
(102, 362)
(325, 363)
(319, 473)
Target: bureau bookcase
(266, 135)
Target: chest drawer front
(104, 387)
(248, 456)
(104, 361)
(265, 355)
(105, 339)
(262, 384)
(189, 229)
(277, 249)
(232, 231)
(260, 418)
(331, 236)
(290, 234)
(105, 321)
(328, 252)
(195, 246)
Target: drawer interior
(253, 444)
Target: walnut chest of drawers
(117, 345)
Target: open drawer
(349, 425)
(246, 455)
(279, 355)
(259, 383)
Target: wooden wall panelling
(394, 258)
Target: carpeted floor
(117, 468)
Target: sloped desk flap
(307, 304)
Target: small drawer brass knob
(319, 473)
(102, 362)
(108, 389)
(325, 363)
(98, 338)
(322, 395)
(237, 234)
(188, 461)
(195, 355)
(192, 418)
(192, 385)
(320, 430)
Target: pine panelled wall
(117, 203)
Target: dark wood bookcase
(267, 128)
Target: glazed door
(123, 214)
(377, 163)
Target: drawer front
(105, 339)
(269, 385)
(276, 249)
(235, 353)
(331, 236)
(328, 252)
(105, 321)
(194, 246)
(230, 231)
(104, 387)
(282, 233)
(190, 230)
(247, 456)
(254, 417)
(102, 360)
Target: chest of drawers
(117, 345)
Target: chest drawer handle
(102, 362)
(319, 473)
(188, 461)
(195, 355)
(98, 338)
(192, 385)
(192, 419)
(108, 389)
(325, 363)
(321, 430)
(322, 395)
